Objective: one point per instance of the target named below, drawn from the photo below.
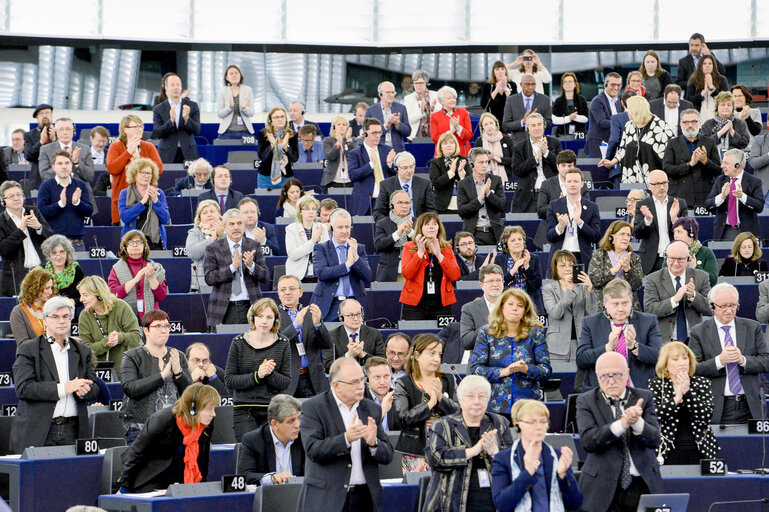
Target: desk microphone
(200, 293)
(737, 502)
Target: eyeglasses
(543, 421)
(134, 243)
(677, 260)
(726, 306)
(291, 289)
(161, 327)
(659, 184)
(611, 376)
(146, 173)
(690, 123)
(399, 355)
(56, 318)
(204, 362)
(356, 382)
(403, 203)
(17, 195)
(467, 244)
(133, 126)
(631, 200)
(493, 281)
(352, 316)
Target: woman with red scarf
(174, 445)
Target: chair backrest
(570, 418)
(632, 186)
(236, 458)
(223, 433)
(232, 328)
(394, 469)
(561, 440)
(277, 498)
(609, 204)
(278, 271)
(106, 424)
(111, 469)
(6, 422)
(242, 157)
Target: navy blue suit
(172, 136)
(599, 118)
(618, 122)
(272, 238)
(595, 334)
(398, 133)
(362, 176)
(587, 235)
(230, 202)
(329, 270)
(748, 212)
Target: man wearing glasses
(203, 370)
(654, 226)
(632, 334)
(732, 352)
(632, 199)
(397, 348)
(379, 389)
(368, 165)
(475, 314)
(345, 443)
(419, 190)
(619, 431)
(54, 379)
(692, 161)
(391, 234)
(677, 294)
(352, 339)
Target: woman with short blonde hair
(336, 147)
(301, 238)
(728, 130)
(207, 228)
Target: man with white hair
(341, 265)
(732, 352)
(420, 190)
(520, 106)
(54, 379)
(392, 115)
(737, 197)
(534, 161)
(198, 177)
(296, 118)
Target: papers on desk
(391, 481)
(151, 494)
(7, 457)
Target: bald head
(610, 360)
(612, 374)
(658, 184)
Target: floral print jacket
(491, 355)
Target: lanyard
(430, 269)
(281, 463)
(98, 322)
(32, 311)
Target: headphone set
(362, 315)
(193, 408)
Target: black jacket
(389, 254)
(152, 462)
(561, 109)
(314, 340)
(421, 192)
(411, 403)
(257, 455)
(443, 186)
(686, 67)
(496, 105)
(507, 153)
(525, 167)
(265, 154)
(12, 249)
(232, 200)
(650, 235)
(469, 206)
(692, 184)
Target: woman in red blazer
(451, 119)
(429, 266)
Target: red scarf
(192, 473)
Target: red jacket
(413, 270)
(440, 124)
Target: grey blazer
(20, 327)
(474, 315)
(196, 251)
(82, 170)
(514, 111)
(762, 308)
(225, 112)
(759, 158)
(333, 156)
(563, 306)
(299, 248)
(659, 288)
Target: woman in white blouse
(301, 237)
(528, 63)
(420, 104)
(234, 106)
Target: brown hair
(100, 130)
(745, 92)
(746, 235)
(534, 67)
(130, 118)
(259, 306)
(420, 344)
(33, 284)
(498, 64)
(204, 396)
(228, 70)
(424, 219)
(698, 77)
(375, 361)
(269, 128)
(290, 182)
(134, 233)
(576, 81)
(507, 232)
(613, 229)
(561, 254)
(642, 68)
(153, 315)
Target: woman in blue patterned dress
(511, 352)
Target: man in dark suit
(303, 326)
(297, 121)
(353, 339)
(379, 389)
(234, 266)
(552, 189)
(534, 161)
(222, 193)
(669, 106)
(203, 370)
(198, 178)
(368, 165)
(481, 200)
(632, 334)
(392, 115)
(737, 197)
(37, 138)
(654, 226)
(176, 122)
(397, 346)
(692, 161)
(419, 190)
(475, 314)
(518, 107)
(54, 380)
(14, 154)
(341, 265)
(619, 431)
(573, 222)
(687, 65)
(677, 294)
(392, 232)
(19, 225)
(262, 232)
(273, 453)
(466, 253)
(344, 443)
(356, 123)
(732, 352)
(602, 107)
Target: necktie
(732, 369)
(221, 204)
(308, 156)
(528, 102)
(344, 289)
(622, 346)
(292, 314)
(353, 337)
(406, 187)
(625, 478)
(236, 288)
(66, 148)
(378, 176)
(731, 217)
(681, 317)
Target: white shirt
(674, 322)
(671, 118)
(66, 406)
(356, 473)
(571, 240)
(372, 154)
(65, 185)
(661, 208)
(387, 132)
(64, 147)
(357, 339)
(98, 156)
(540, 172)
(243, 295)
(720, 200)
(31, 258)
(722, 338)
(612, 103)
(282, 459)
(178, 107)
(563, 186)
(636, 429)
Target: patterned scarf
(279, 159)
(424, 122)
(151, 226)
(720, 122)
(519, 280)
(192, 473)
(65, 277)
(491, 144)
(398, 221)
(694, 248)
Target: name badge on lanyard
(571, 231)
(483, 478)
(430, 281)
(300, 348)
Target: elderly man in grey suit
(519, 106)
(677, 294)
(475, 314)
(82, 162)
(732, 352)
